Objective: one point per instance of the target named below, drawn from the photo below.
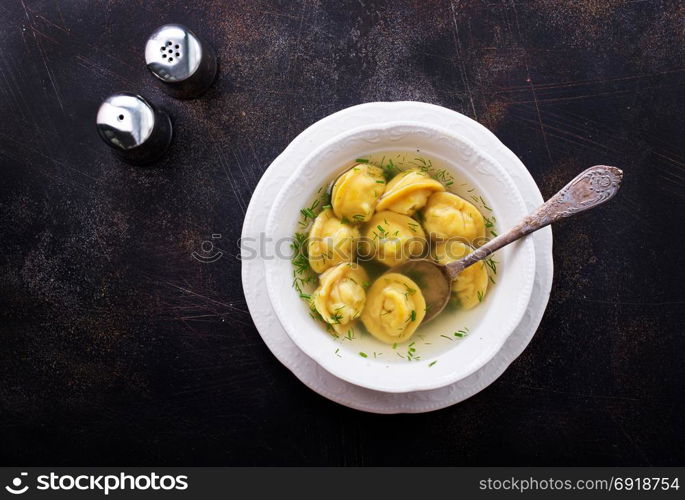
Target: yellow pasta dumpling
(330, 241)
(470, 285)
(408, 191)
(392, 238)
(341, 295)
(394, 308)
(447, 215)
(356, 192)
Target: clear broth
(443, 332)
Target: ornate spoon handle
(591, 188)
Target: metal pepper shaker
(137, 131)
(181, 60)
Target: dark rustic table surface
(117, 347)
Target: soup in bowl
(373, 198)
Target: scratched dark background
(116, 347)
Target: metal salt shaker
(181, 60)
(137, 131)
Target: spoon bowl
(433, 281)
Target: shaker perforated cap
(185, 64)
(130, 125)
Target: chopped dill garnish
(394, 346)
(480, 296)
(319, 204)
(491, 263)
(363, 355)
(361, 160)
(411, 350)
(305, 296)
(298, 282)
(432, 363)
(479, 199)
(298, 242)
(316, 316)
(446, 337)
(389, 170)
(366, 285)
(358, 217)
(441, 175)
(413, 315)
(488, 222)
(308, 213)
(461, 333)
(337, 351)
(301, 263)
(345, 220)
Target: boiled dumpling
(447, 215)
(392, 238)
(394, 308)
(408, 191)
(341, 295)
(330, 241)
(470, 285)
(357, 191)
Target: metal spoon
(591, 188)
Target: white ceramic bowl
(443, 360)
